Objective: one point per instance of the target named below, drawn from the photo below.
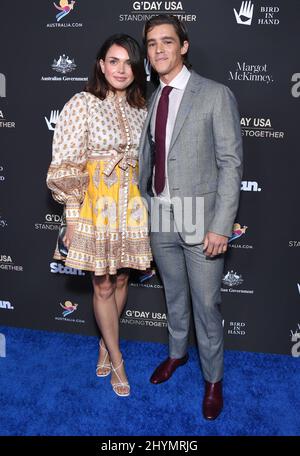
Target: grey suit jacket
(205, 155)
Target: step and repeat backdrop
(47, 52)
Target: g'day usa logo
(142, 11)
(260, 127)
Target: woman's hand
(67, 239)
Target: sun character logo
(147, 275)
(68, 308)
(64, 7)
(237, 231)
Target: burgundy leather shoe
(213, 400)
(164, 371)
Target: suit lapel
(186, 104)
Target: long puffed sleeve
(67, 177)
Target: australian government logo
(260, 127)
(249, 13)
(143, 318)
(7, 264)
(233, 281)
(142, 11)
(62, 11)
(250, 72)
(4, 122)
(68, 308)
(64, 65)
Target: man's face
(164, 50)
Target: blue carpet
(48, 387)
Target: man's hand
(67, 239)
(214, 244)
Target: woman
(94, 172)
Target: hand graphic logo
(245, 15)
(53, 119)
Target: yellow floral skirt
(112, 229)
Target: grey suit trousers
(187, 273)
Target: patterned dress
(94, 172)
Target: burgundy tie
(160, 139)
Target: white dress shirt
(179, 84)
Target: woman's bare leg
(121, 292)
(107, 317)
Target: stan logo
(52, 121)
(57, 268)
(64, 7)
(6, 305)
(232, 279)
(245, 15)
(249, 186)
(2, 86)
(237, 232)
(63, 64)
(68, 308)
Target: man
(191, 151)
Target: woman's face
(116, 68)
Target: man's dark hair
(179, 28)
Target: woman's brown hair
(136, 92)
